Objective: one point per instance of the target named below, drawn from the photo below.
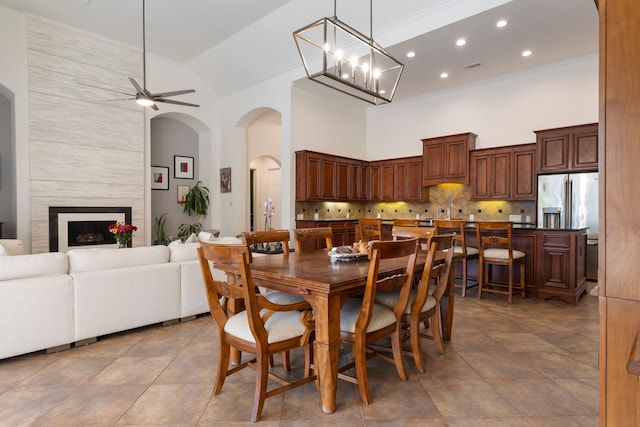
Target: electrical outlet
(515, 218)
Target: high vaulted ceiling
(235, 44)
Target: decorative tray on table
(347, 253)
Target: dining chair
(406, 222)
(423, 306)
(263, 329)
(423, 234)
(495, 248)
(317, 234)
(370, 229)
(443, 226)
(362, 321)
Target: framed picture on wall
(225, 180)
(182, 191)
(159, 178)
(183, 167)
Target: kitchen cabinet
(359, 180)
(504, 173)
(446, 159)
(381, 181)
(407, 178)
(324, 177)
(568, 149)
(344, 232)
(562, 267)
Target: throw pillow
(191, 239)
(3, 251)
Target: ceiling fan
(145, 97)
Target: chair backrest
(423, 234)
(494, 234)
(443, 241)
(267, 236)
(240, 256)
(302, 234)
(447, 226)
(219, 291)
(370, 229)
(401, 282)
(407, 222)
(438, 274)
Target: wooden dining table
(326, 285)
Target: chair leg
(396, 348)
(522, 285)
(480, 278)
(416, 348)
(360, 356)
(262, 376)
(435, 330)
(286, 360)
(223, 366)
(511, 284)
(464, 277)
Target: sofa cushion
(36, 265)
(183, 251)
(12, 246)
(3, 252)
(107, 259)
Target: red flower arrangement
(122, 232)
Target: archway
(8, 210)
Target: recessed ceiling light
(526, 53)
(411, 54)
(501, 23)
(461, 42)
(444, 75)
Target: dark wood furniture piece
(344, 231)
(406, 222)
(324, 286)
(370, 229)
(495, 247)
(618, 245)
(445, 159)
(325, 177)
(469, 253)
(322, 236)
(504, 173)
(363, 322)
(568, 149)
(247, 331)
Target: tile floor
(530, 364)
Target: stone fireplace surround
(60, 219)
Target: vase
(122, 245)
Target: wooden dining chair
(495, 248)
(321, 235)
(370, 229)
(423, 307)
(362, 321)
(406, 222)
(263, 329)
(423, 234)
(443, 226)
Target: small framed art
(182, 192)
(159, 178)
(225, 180)
(183, 167)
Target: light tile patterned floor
(532, 363)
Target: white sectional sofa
(52, 300)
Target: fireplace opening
(83, 233)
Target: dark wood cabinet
(344, 232)
(568, 149)
(505, 173)
(407, 176)
(359, 180)
(562, 267)
(446, 159)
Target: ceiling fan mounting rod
(144, 51)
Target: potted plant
(196, 202)
(159, 226)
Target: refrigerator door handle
(568, 202)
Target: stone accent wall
(86, 149)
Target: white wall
(501, 112)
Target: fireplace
(84, 227)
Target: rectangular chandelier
(338, 56)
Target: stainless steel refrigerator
(571, 201)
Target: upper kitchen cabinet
(446, 159)
(381, 181)
(568, 149)
(407, 178)
(505, 173)
(322, 176)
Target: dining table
(326, 285)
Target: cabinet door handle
(633, 366)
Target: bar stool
(370, 229)
(410, 222)
(495, 248)
(444, 226)
(319, 235)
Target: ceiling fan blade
(154, 106)
(174, 93)
(136, 85)
(170, 101)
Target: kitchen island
(555, 258)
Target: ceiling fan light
(145, 102)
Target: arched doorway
(8, 212)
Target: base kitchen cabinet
(344, 232)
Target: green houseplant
(196, 203)
(159, 225)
